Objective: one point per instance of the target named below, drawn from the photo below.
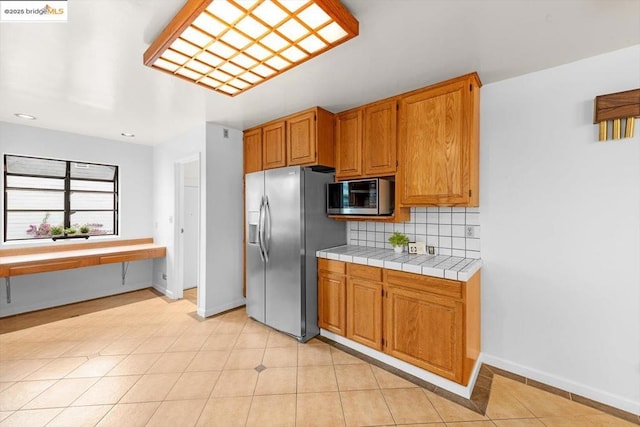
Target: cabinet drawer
(418, 282)
(331, 265)
(136, 256)
(43, 267)
(365, 272)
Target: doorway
(188, 227)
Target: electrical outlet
(164, 276)
(469, 232)
(431, 250)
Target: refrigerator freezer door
(255, 273)
(284, 273)
(321, 232)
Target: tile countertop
(447, 267)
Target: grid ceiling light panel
(231, 46)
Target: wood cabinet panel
(301, 139)
(44, 267)
(438, 144)
(332, 296)
(310, 138)
(252, 150)
(400, 214)
(365, 272)
(425, 330)
(325, 136)
(332, 302)
(432, 147)
(364, 312)
(273, 146)
(332, 266)
(472, 319)
(379, 138)
(349, 144)
(132, 256)
(366, 141)
(419, 282)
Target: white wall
(191, 223)
(35, 291)
(165, 156)
(561, 231)
(220, 212)
(224, 220)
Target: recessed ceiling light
(25, 116)
(127, 134)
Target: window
(47, 198)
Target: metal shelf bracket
(7, 283)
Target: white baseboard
(205, 311)
(210, 311)
(163, 290)
(455, 388)
(565, 384)
(12, 309)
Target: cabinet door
(379, 139)
(349, 144)
(301, 139)
(434, 146)
(364, 312)
(332, 302)
(273, 147)
(425, 330)
(253, 150)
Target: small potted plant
(398, 241)
(57, 230)
(69, 231)
(84, 229)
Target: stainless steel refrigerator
(285, 224)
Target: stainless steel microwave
(373, 196)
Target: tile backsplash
(444, 228)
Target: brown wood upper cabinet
(264, 147)
(438, 144)
(273, 145)
(379, 138)
(305, 139)
(310, 138)
(366, 141)
(253, 150)
(349, 144)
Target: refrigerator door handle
(261, 229)
(267, 230)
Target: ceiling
(86, 76)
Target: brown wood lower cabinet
(429, 322)
(332, 296)
(364, 305)
(425, 330)
(433, 323)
